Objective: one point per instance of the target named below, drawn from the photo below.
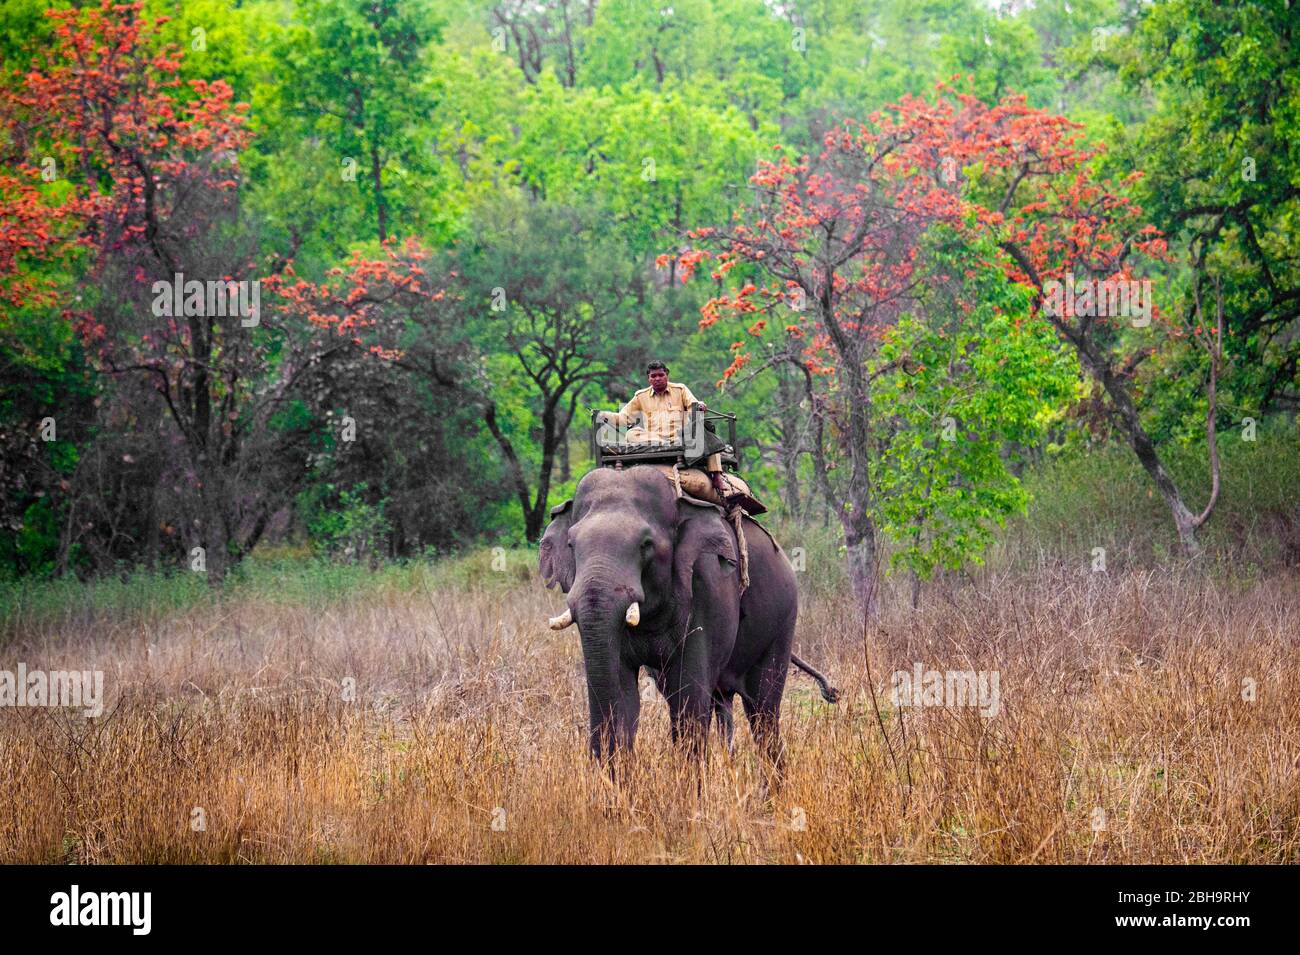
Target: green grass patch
(280, 575)
(1103, 498)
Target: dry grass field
(1122, 735)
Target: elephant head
(627, 553)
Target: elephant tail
(829, 693)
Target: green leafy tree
(553, 300)
(1000, 54)
(963, 382)
(1222, 177)
(353, 74)
(537, 35)
(655, 160)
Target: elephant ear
(556, 559)
(701, 532)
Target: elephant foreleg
(726, 724)
(690, 705)
(614, 714)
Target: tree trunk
(791, 447)
(1185, 522)
(153, 539)
(1099, 368)
(565, 448)
(535, 517)
(513, 468)
(856, 509)
(376, 175)
(215, 537)
(863, 557)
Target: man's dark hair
(656, 365)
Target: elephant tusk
(563, 620)
(633, 614)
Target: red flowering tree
(114, 154)
(141, 170)
(830, 247)
(834, 242)
(1081, 244)
(102, 117)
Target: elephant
(652, 580)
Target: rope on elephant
(737, 517)
(677, 478)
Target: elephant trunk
(602, 591)
(603, 613)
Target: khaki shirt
(662, 414)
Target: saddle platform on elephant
(682, 459)
(696, 483)
(696, 439)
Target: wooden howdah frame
(699, 440)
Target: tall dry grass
(1122, 736)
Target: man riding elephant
(662, 408)
(658, 576)
(651, 579)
